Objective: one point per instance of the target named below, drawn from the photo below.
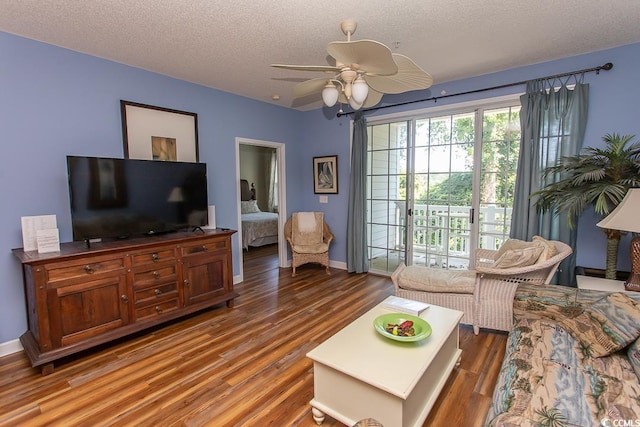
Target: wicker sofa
(485, 294)
(550, 374)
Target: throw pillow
(609, 324)
(549, 250)
(518, 257)
(633, 353)
(509, 245)
(512, 244)
(249, 206)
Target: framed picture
(325, 175)
(156, 133)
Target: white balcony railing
(442, 234)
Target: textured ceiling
(229, 45)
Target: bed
(258, 228)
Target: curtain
(552, 124)
(273, 182)
(357, 259)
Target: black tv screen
(119, 198)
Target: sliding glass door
(440, 186)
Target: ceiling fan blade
(373, 98)
(368, 55)
(309, 87)
(327, 68)
(409, 77)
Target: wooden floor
(244, 366)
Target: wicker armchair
(496, 287)
(487, 301)
(308, 245)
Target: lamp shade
(355, 105)
(330, 95)
(625, 216)
(360, 90)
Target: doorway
(262, 164)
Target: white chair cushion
(436, 279)
(318, 248)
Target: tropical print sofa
(572, 359)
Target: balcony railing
(442, 234)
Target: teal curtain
(552, 124)
(357, 259)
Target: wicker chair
(496, 287)
(487, 303)
(308, 246)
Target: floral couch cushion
(607, 325)
(547, 378)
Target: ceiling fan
(364, 71)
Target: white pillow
(249, 206)
(523, 257)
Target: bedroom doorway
(260, 169)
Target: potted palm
(595, 177)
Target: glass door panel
(442, 191)
(386, 195)
(500, 150)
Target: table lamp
(626, 217)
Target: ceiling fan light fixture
(364, 70)
(360, 90)
(330, 94)
(355, 105)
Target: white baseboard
(10, 347)
(338, 264)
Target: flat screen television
(120, 198)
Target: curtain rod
(606, 67)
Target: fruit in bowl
(404, 329)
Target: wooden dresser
(81, 297)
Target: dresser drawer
(206, 246)
(158, 293)
(153, 257)
(161, 274)
(157, 309)
(87, 268)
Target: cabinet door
(205, 276)
(81, 309)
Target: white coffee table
(360, 374)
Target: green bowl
(421, 327)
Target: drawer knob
(155, 257)
(157, 291)
(88, 269)
(205, 248)
(156, 274)
(158, 309)
(186, 282)
(124, 298)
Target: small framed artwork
(325, 175)
(157, 133)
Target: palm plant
(595, 177)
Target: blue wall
(58, 102)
